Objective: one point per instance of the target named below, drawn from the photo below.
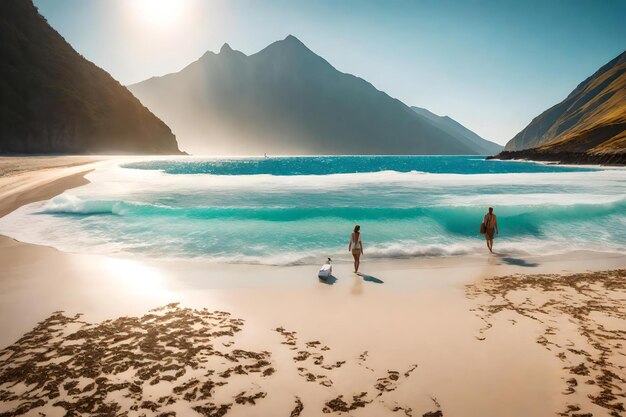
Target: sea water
(291, 210)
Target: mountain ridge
(448, 123)
(53, 100)
(287, 99)
(590, 121)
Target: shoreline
(14, 200)
(429, 318)
(18, 188)
(562, 158)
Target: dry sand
(14, 165)
(24, 180)
(419, 337)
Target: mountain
(52, 100)
(588, 126)
(287, 100)
(455, 128)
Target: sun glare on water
(161, 14)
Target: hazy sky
(491, 65)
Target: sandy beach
(486, 335)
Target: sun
(161, 14)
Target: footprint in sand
(578, 299)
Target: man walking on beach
(491, 225)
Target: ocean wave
(69, 204)
(410, 250)
(123, 181)
(184, 241)
(392, 251)
(396, 250)
(559, 210)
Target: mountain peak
(290, 46)
(293, 43)
(228, 53)
(292, 39)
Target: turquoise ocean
(295, 210)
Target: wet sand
(472, 336)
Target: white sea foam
(128, 182)
(529, 199)
(68, 203)
(74, 220)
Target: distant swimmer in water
(490, 222)
(265, 155)
(356, 246)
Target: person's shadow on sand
(517, 262)
(370, 278)
(328, 281)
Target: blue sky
(491, 65)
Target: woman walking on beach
(356, 246)
(491, 225)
